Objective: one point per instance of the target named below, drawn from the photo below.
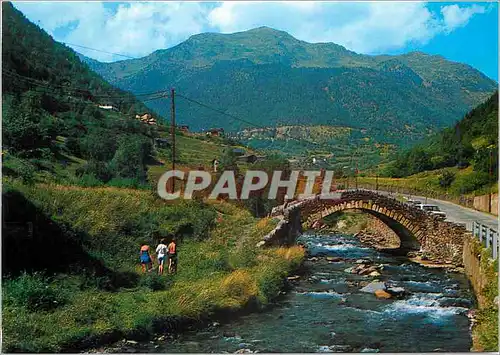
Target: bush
(19, 168)
(468, 183)
(155, 282)
(34, 292)
(446, 179)
(270, 284)
(95, 168)
(89, 180)
(130, 183)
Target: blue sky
(463, 32)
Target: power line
(220, 111)
(40, 83)
(99, 50)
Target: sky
(465, 32)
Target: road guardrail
(487, 236)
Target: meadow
(75, 282)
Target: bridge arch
(440, 241)
(402, 219)
(404, 229)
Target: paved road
(457, 213)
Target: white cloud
(134, 29)
(455, 16)
(366, 27)
(137, 29)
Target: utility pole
(356, 173)
(172, 133)
(491, 176)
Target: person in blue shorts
(145, 258)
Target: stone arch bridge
(441, 241)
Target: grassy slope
(223, 271)
(427, 183)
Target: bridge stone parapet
(287, 230)
(440, 241)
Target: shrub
(34, 292)
(20, 168)
(89, 180)
(468, 183)
(270, 284)
(124, 183)
(155, 282)
(96, 168)
(446, 178)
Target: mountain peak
(266, 29)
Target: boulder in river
(382, 294)
(396, 291)
(374, 273)
(373, 286)
(349, 270)
(368, 270)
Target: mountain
(51, 109)
(472, 141)
(270, 78)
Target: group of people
(163, 253)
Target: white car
(414, 202)
(433, 210)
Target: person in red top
(172, 256)
(145, 258)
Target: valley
(86, 145)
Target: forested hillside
(51, 115)
(473, 141)
(270, 78)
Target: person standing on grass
(145, 257)
(161, 252)
(172, 256)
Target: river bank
(76, 307)
(327, 309)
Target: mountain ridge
(226, 71)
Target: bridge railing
(487, 236)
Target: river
(325, 310)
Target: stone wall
(481, 203)
(474, 270)
(383, 235)
(287, 229)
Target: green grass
(427, 183)
(218, 269)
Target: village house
(215, 132)
(108, 107)
(183, 128)
(146, 118)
